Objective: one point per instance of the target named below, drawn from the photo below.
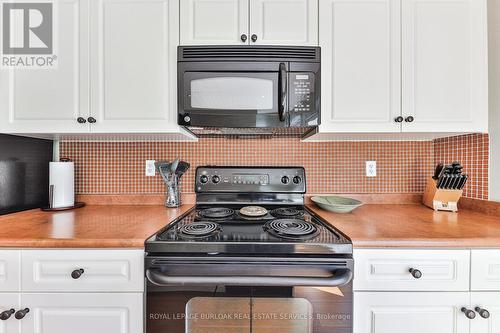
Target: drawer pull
(468, 313)
(415, 273)
(6, 314)
(77, 273)
(21, 313)
(482, 312)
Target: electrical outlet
(150, 168)
(371, 168)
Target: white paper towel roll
(62, 182)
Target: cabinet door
(216, 22)
(396, 312)
(134, 76)
(284, 22)
(51, 100)
(360, 44)
(9, 302)
(485, 269)
(82, 313)
(389, 270)
(10, 270)
(445, 66)
(491, 303)
(101, 270)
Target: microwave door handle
(282, 87)
(339, 277)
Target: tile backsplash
(331, 167)
(473, 152)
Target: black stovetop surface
(237, 234)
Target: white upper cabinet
(361, 52)
(133, 65)
(241, 22)
(284, 22)
(51, 100)
(413, 66)
(445, 74)
(215, 22)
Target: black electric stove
(252, 254)
(250, 210)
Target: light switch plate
(150, 168)
(371, 168)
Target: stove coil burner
(216, 213)
(199, 230)
(291, 229)
(286, 212)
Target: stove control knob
(297, 180)
(285, 179)
(215, 179)
(203, 179)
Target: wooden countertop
(415, 226)
(88, 227)
(129, 226)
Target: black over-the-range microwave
(249, 89)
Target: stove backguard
(250, 185)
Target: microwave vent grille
(214, 53)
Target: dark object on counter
(75, 206)
(437, 172)
(450, 177)
(24, 173)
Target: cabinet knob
(468, 313)
(244, 38)
(21, 313)
(415, 273)
(254, 38)
(6, 314)
(81, 120)
(409, 119)
(399, 119)
(482, 312)
(91, 120)
(77, 273)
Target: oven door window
(244, 314)
(215, 309)
(236, 92)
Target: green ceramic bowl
(337, 204)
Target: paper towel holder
(50, 207)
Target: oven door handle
(339, 277)
(282, 88)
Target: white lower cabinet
(486, 322)
(410, 312)
(82, 313)
(389, 300)
(40, 291)
(9, 302)
(10, 271)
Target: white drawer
(103, 270)
(10, 274)
(485, 270)
(389, 270)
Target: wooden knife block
(440, 199)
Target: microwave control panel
(301, 88)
